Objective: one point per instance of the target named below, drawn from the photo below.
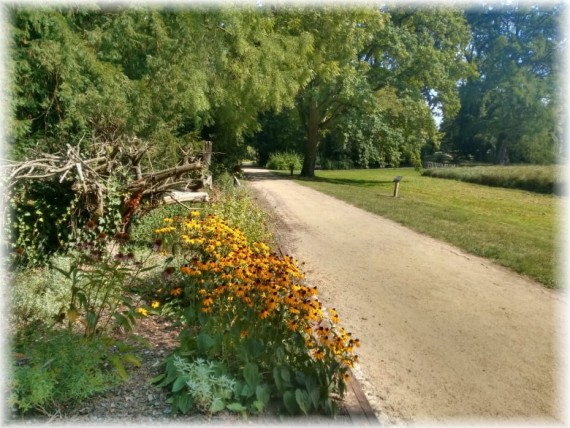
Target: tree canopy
(168, 76)
(510, 113)
(364, 82)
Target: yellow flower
(176, 291)
(155, 304)
(142, 311)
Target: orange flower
(176, 291)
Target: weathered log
(177, 196)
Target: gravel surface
(446, 336)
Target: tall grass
(534, 178)
(515, 228)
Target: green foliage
(511, 112)
(280, 132)
(250, 311)
(540, 179)
(45, 217)
(54, 368)
(39, 294)
(39, 220)
(100, 275)
(167, 76)
(198, 384)
(284, 161)
(238, 208)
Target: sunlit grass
(515, 228)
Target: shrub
(283, 160)
(252, 311)
(39, 294)
(54, 368)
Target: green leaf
(251, 374)
(122, 320)
(217, 405)
(157, 378)
(303, 400)
(205, 342)
(118, 364)
(286, 375)
(277, 379)
(183, 402)
(290, 402)
(262, 393)
(236, 407)
(258, 405)
(130, 358)
(179, 383)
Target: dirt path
(446, 336)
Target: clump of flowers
(241, 303)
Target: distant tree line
(354, 85)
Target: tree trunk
(502, 157)
(312, 143)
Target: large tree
(510, 112)
(375, 75)
(165, 75)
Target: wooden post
(397, 180)
(207, 155)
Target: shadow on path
(260, 174)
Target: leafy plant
(251, 311)
(53, 368)
(284, 160)
(100, 275)
(197, 384)
(39, 294)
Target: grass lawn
(515, 228)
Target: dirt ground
(446, 336)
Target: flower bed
(250, 321)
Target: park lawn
(515, 228)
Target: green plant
(284, 161)
(39, 213)
(534, 178)
(101, 274)
(199, 384)
(39, 294)
(251, 311)
(239, 210)
(53, 368)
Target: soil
(446, 336)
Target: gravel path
(446, 336)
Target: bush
(40, 294)
(284, 160)
(54, 368)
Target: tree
(169, 76)
(509, 113)
(337, 36)
(378, 73)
